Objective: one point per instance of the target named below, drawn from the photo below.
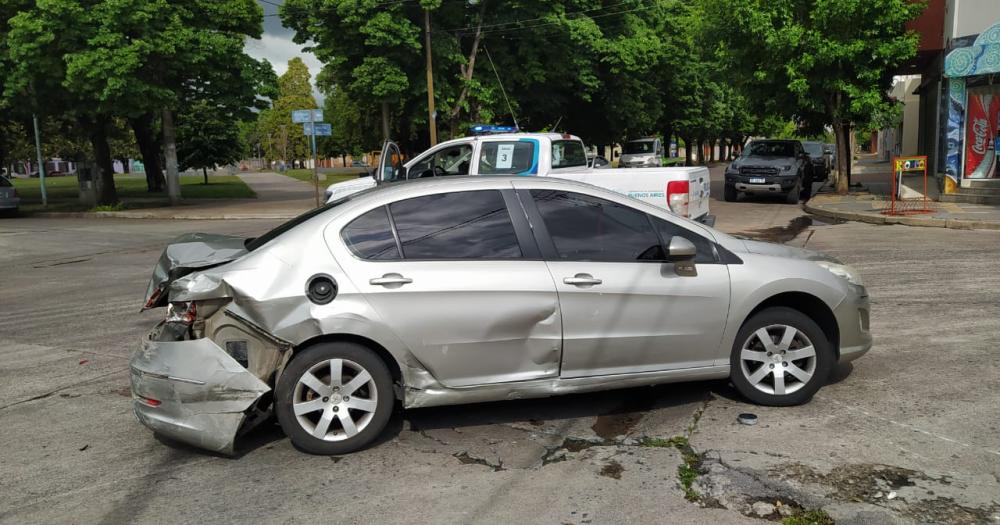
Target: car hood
(188, 253)
(754, 160)
(781, 250)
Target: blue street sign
(301, 116)
(322, 129)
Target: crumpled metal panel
(186, 254)
(204, 393)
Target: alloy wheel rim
(335, 399)
(778, 359)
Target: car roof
(510, 136)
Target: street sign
(322, 129)
(301, 116)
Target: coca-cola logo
(980, 128)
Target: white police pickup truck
(682, 190)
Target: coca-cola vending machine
(982, 134)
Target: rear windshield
(256, 242)
(4, 183)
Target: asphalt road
(908, 433)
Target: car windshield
(4, 183)
(638, 147)
(814, 149)
(771, 149)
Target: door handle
(390, 279)
(582, 279)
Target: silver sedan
(9, 201)
(458, 290)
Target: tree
(283, 139)
(817, 59)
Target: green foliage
(63, 191)
(280, 138)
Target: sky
(276, 45)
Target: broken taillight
(148, 401)
(184, 313)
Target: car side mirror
(681, 249)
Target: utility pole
(432, 115)
(41, 165)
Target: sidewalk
(868, 208)
(278, 197)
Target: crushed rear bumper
(203, 394)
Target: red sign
(981, 135)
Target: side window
(370, 236)
(667, 229)
(568, 153)
(585, 228)
(506, 157)
(452, 160)
(459, 225)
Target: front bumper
(204, 394)
(771, 184)
(853, 318)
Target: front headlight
(843, 271)
(786, 168)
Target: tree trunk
(204, 171)
(467, 72)
(687, 151)
(170, 153)
(105, 180)
(843, 157)
(700, 144)
(385, 120)
(142, 128)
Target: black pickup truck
(770, 166)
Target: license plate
(756, 180)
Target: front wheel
(780, 357)
(729, 193)
(792, 197)
(334, 398)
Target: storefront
(973, 131)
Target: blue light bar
(484, 129)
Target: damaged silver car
(460, 290)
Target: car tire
(792, 197)
(730, 194)
(334, 418)
(803, 356)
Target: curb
(955, 224)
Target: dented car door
(452, 275)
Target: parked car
(820, 162)
(9, 201)
(831, 151)
(359, 164)
(642, 153)
(682, 190)
(770, 166)
(600, 163)
(470, 289)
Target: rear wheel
(730, 193)
(334, 398)
(780, 358)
